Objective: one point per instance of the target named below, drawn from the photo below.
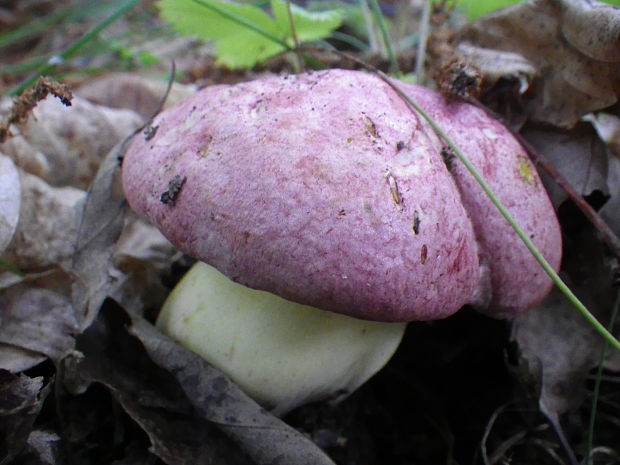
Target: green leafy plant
(245, 34)
(477, 8)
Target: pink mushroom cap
(326, 189)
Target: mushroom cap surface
(323, 188)
(517, 281)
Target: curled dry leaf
(47, 229)
(559, 348)
(607, 126)
(36, 321)
(572, 45)
(265, 438)
(149, 395)
(66, 145)
(21, 399)
(100, 222)
(133, 92)
(10, 200)
(577, 154)
(558, 345)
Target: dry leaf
(72, 141)
(572, 45)
(607, 126)
(47, 228)
(10, 200)
(42, 448)
(133, 92)
(265, 438)
(36, 321)
(21, 399)
(577, 154)
(100, 222)
(559, 346)
(148, 394)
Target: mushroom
(325, 189)
(281, 353)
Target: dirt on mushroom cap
(323, 188)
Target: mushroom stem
(281, 353)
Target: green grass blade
(597, 383)
(12, 268)
(69, 51)
(374, 5)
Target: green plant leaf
(244, 34)
(477, 8)
(309, 25)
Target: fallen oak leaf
(110, 357)
(265, 438)
(570, 45)
(21, 399)
(37, 321)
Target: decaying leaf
(42, 448)
(571, 44)
(558, 345)
(577, 154)
(261, 435)
(607, 126)
(611, 210)
(149, 395)
(47, 229)
(66, 145)
(560, 349)
(21, 399)
(100, 222)
(133, 92)
(10, 200)
(36, 321)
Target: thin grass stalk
(424, 31)
(597, 383)
(374, 5)
(69, 51)
(12, 268)
(289, 12)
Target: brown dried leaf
(149, 395)
(558, 346)
(607, 126)
(133, 92)
(10, 200)
(46, 231)
(572, 45)
(21, 399)
(265, 438)
(611, 210)
(101, 220)
(72, 141)
(37, 321)
(577, 154)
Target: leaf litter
(108, 358)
